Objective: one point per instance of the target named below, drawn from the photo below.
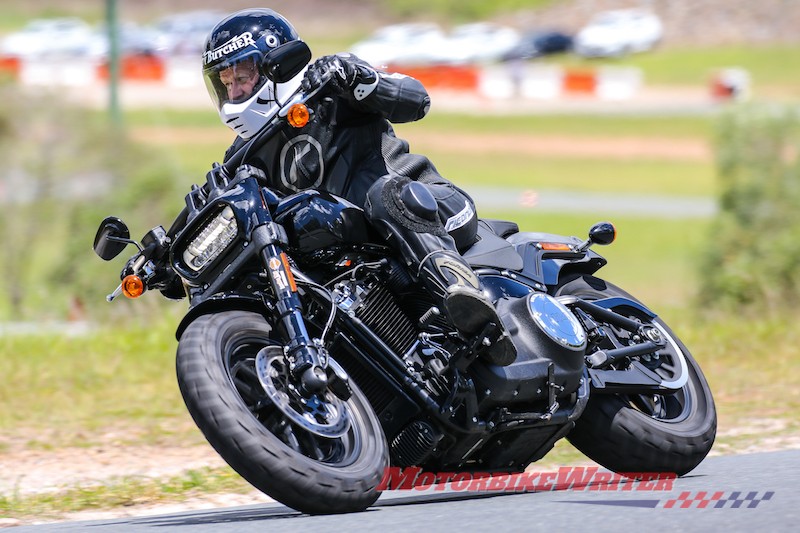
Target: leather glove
(334, 69)
(128, 268)
(344, 76)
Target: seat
(493, 251)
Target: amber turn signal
(555, 246)
(132, 286)
(298, 115)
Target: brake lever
(111, 297)
(142, 262)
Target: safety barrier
(543, 82)
(71, 72)
(496, 81)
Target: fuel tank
(316, 220)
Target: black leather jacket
(350, 142)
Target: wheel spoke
(291, 439)
(246, 381)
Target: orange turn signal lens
(555, 246)
(132, 286)
(298, 115)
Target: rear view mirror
(602, 233)
(286, 61)
(112, 237)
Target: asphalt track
(731, 493)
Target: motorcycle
(312, 360)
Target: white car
(401, 44)
(184, 34)
(478, 42)
(619, 32)
(132, 39)
(48, 37)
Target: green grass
(768, 65)
(62, 390)
(601, 126)
(193, 160)
(681, 127)
(513, 169)
(123, 492)
(636, 176)
(651, 258)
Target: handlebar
(146, 264)
(157, 240)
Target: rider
(349, 149)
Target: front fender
(226, 301)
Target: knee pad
(418, 199)
(412, 205)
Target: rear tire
(674, 433)
(310, 473)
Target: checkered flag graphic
(737, 500)
(717, 500)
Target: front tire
(310, 473)
(656, 433)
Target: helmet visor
(234, 82)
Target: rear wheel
(646, 433)
(317, 455)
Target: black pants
(453, 229)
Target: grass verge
(122, 492)
(686, 66)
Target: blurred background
(674, 119)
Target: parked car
(539, 43)
(477, 42)
(410, 43)
(185, 33)
(132, 39)
(48, 37)
(619, 32)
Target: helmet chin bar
(247, 118)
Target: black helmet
(232, 60)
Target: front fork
(304, 356)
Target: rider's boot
(452, 281)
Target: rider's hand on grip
(334, 69)
(129, 269)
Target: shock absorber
(302, 353)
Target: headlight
(212, 240)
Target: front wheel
(645, 433)
(319, 455)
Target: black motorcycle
(312, 360)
